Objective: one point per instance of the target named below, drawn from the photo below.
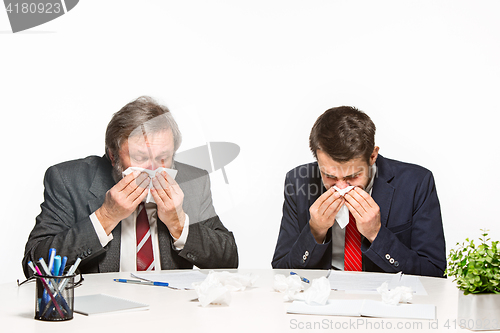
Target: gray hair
(138, 117)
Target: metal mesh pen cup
(54, 297)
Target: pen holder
(54, 297)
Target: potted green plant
(476, 270)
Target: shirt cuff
(99, 230)
(181, 241)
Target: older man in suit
(94, 211)
(355, 210)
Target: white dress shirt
(128, 247)
(338, 234)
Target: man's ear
(374, 155)
(111, 157)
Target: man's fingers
(362, 197)
(354, 211)
(141, 194)
(174, 186)
(125, 181)
(334, 208)
(325, 200)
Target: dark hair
(343, 133)
(137, 117)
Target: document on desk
(365, 308)
(175, 280)
(101, 303)
(369, 282)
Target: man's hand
(122, 199)
(366, 212)
(169, 197)
(323, 212)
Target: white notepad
(100, 303)
(366, 308)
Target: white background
(257, 73)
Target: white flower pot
(479, 312)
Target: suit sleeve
(296, 246)
(56, 227)
(209, 244)
(425, 254)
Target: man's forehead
(161, 138)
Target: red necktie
(352, 249)
(145, 259)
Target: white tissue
(343, 214)
(217, 287)
(290, 286)
(317, 294)
(152, 174)
(394, 296)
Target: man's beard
(117, 170)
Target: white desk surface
(259, 309)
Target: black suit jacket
(410, 239)
(76, 189)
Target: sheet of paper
(101, 303)
(409, 311)
(177, 280)
(367, 308)
(331, 308)
(369, 282)
(152, 174)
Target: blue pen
(52, 254)
(57, 265)
(150, 283)
(302, 278)
(63, 265)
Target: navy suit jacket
(410, 239)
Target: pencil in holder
(54, 297)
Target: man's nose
(150, 166)
(341, 184)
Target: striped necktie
(145, 259)
(352, 249)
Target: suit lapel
(383, 191)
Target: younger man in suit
(392, 210)
(92, 211)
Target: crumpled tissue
(394, 296)
(152, 174)
(343, 214)
(290, 286)
(217, 287)
(317, 294)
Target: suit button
(387, 256)
(396, 264)
(304, 257)
(89, 251)
(307, 253)
(391, 260)
(190, 256)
